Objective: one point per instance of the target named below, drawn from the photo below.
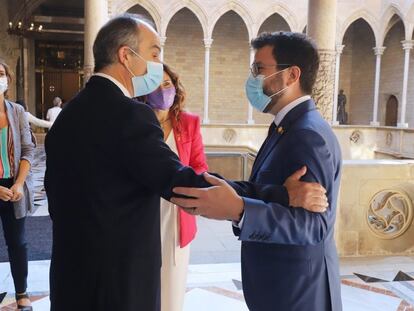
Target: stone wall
(361, 74)
(360, 183)
(231, 24)
(184, 52)
(229, 68)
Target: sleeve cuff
(239, 224)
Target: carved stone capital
(339, 49)
(208, 42)
(407, 44)
(379, 50)
(163, 40)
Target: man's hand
(310, 196)
(217, 202)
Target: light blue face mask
(254, 91)
(150, 81)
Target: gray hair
(57, 101)
(120, 31)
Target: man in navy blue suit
(289, 258)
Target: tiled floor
(217, 286)
(214, 280)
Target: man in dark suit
(289, 258)
(107, 165)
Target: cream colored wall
(357, 142)
(361, 180)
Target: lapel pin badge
(280, 130)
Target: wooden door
(391, 112)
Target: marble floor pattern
(214, 279)
(218, 287)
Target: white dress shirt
(116, 82)
(285, 110)
(53, 113)
(38, 122)
(278, 119)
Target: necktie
(272, 127)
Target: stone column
(162, 42)
(207, 45)
(378, 53)
(20, 93)
(322, 29)
(339, 49)
(96, 15)
(407, 46)
(250, 119)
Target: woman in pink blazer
(182, 134)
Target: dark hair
(120, 31)
(295, 49)
(22, 103)
(9, 76)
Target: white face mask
(4, 84)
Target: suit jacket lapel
(262, 147)
(263, 153)
(284, 126)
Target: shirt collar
(116, 82)
(285, 110)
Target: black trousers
(14, 231)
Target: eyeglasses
(255, 68)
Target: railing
(357, 142)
